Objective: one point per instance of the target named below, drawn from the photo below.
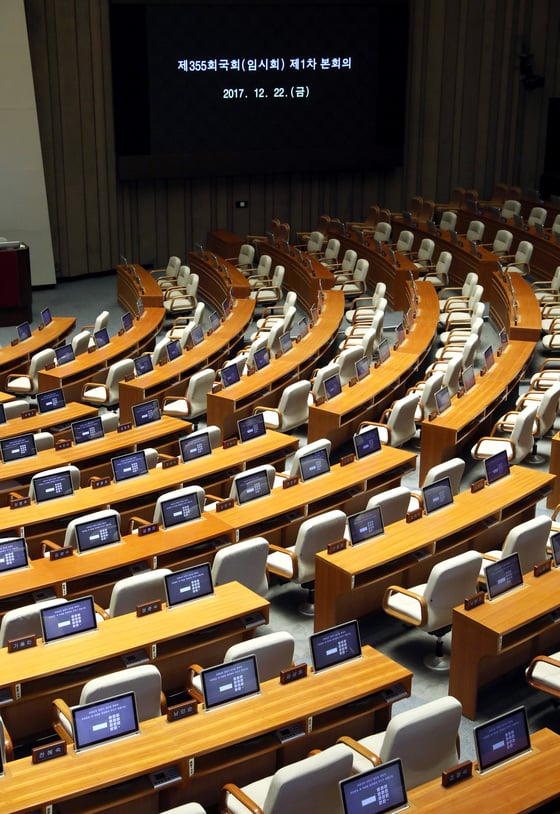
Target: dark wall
(471, 121)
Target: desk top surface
(73, 411)
(45, 338)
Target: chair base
(307, 609)
(437, 663)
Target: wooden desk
(217, 276)
(173, 377)
(236, 743)
(473, 414)
(73, 411)
(351, 583)
(265, 386)
(15, 358)
(517, 787)
(279, 515)
(133, 283)
(91, 366)
(298, 276)
(339, 419)
(170, 639)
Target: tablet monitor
(488, 357)
(195, 446)
(503, 339)
(468, 378)
(313, 314)
(285, 342)
(190, 583)
(214, 320)
(554, 542)
(49, 487)
(226, 307)
(251, 427)
(180, 509)
(230, 375)
(400, 334)
(130, 465)
(64, 354)
(173, 349)
(383, 352)
(230, 682)
(68, 619)
(88, 429)
(127, 321)
(437, 495)
(381, 790)
(497, 466)
(51, 400)
(104, 721)
(23, 331)
(443, 399)
(2, 414)
(261, 358)
(365, 525)
(146, 413)
(93, 534)
(366, 442)
(18, 447)
(392, 256)
(335, 645)
(140, 306)
(362, 368)
(313, 464)
(332, 386)
(196, 335)
(13, 554)
(143, 364)
(303, 327)
(101, 337)
(252, 486)
(501, 739)
(503, 575)
(46, 316)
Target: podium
(15, 284)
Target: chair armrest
(397, 589)
(15, 496)
(12, 376)
(355, 303)
(358, 747)
(501, 425)
(135, 521)
(458, 300)
(493, 438)
(444, 291)
(60, 708)
(535, 682)
(290, 554)
(244, 799)
(49, 545)
(94, 384)
(208, 498)
(262, 289)
(8, 744)
(193, 670)
(170, 399)
(260, 408)
(101, 612)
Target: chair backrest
(183, 277)
(349, 260)
(74, 475)
(378, 294)
(537, 215)
(450, 581)
(314, 778)
(313, 536)
(448, 221)
(475, 232)
(321, 374)
(200, 384)
(110, 421)
(401, 419)
(70, 538)
(214, 433)
(101, 321)
(246, 255)
(426, 249)
(476, 295)
(294, 405)
(117, 372)
(382, 232)
(39, 361)
(173, 265)
(452, 469)
(332, 249)
(405, 241)
(43, 440)
(177, 493)
(428, 393)
(548, 409)
(315, 241)
(132, 591)
(274, 652)
(522, 433)
(452, 376)
(425, 739)
(144, 680)
(244, 562)
(502, 241)
(264, 265)
(278, 276)
(444, 262)
(471, 280)
(529, 540)
(469, 350)
(313, 446)
(510, 208)
(13, 409)
(393, 503)
(24, 621)
(524, 252)
(347, 359)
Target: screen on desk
(496, 466)
(97, 533)
(251, 486)
(88, 429)
(383, 352)
(554, 542)
(303, 327)
(130, 465)
(332, 386)
(381, 790)
(488, 357)
(285, 342)
(18, 447)
(180, 509)
(365, 525)
(140, 306)
(366, 442)
(196, 336)
(468, 378)
(313, 464)
(248, 68)
(64, 354)
(127, 321)
(230, 375)
(335, 645)
(173, 349)
(251, 427)
(261, 358)
(503, 339)
(101, 337)
(443, 399)
(195, 446)
(146, 413)
(49, 487)
(143, 364)
(226, 307)
(51, 400)
(104, 721)
(68, 619)
(230, 681)
(437, 495)
(46, 316)
(214, 320)
(190, 583)
(362, 368)
(13, 554)
(502, 739)
(503, 575)
(23, 331)
(400, 334)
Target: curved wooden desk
(15, 358)
(306, 281)
(134, 283)
(216, 277)
(72, 411)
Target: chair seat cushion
(548, 673)
(96, 394)
(22, 384)
(406, 604)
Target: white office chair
(243, 562)
(182, 299)
(362, 309)
(166, 277)
(193, 404)
(70, 536)
(266, 291)
(245, 257)
(130, 592)
(397, 425)
(537, 216)
(448, 221)
(510, 208)
(528, 539)
(517, 445)
(520, 262)
(438, 275)
(27, 384)
(548, 402)
(292, 410)
(106, 394)
(475, 231)
(547, 291)
(501, 243)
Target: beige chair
(475, 231)
(425, 738)
(267, 291)
(548, 402)
(70, 536)
(243, 562)
(548, 291)
(347, 359)
(193, 403)
(458, 311)
(166, 277)
(397, 425)
(27, 384)
(518, 444)
(292, 410)
(182, 299)
(382, 232)
(262, 269)
(177, 331)
(130, 592)
(245, 257)
(276, 313)
(528, 539)
(81, 342)
(293, 788)
(438, 275)
(312, 446)
(501, 243)
(520, 262)
(448, 221)
(510, 208)
(362, 309)
(429, 606)
(345, 269)
(355, 283)
(543, 673)
(106, 394)
(405, 242)
(537, 216)
(424, 254)
(184, 491)
(426, 391)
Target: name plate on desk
(293, 673)
(291, 481)
(336, 545)
(64, 443)
(542, 568)
(99, 483)
(347, 459)
(14, 342)
(29, 413)
(124, 427)
(413, 515)
(149, 528)
(180, 711)
(92, 349)
(147, 608)
(456, 773)
(353, 381)
(474, 601)
(61, 553)
(40, 754)
(224, 504)
(319, 400)
(477, 485)
(20, 502)
(23, 643)
(51, 365)
(229, 442)
(167, 463)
